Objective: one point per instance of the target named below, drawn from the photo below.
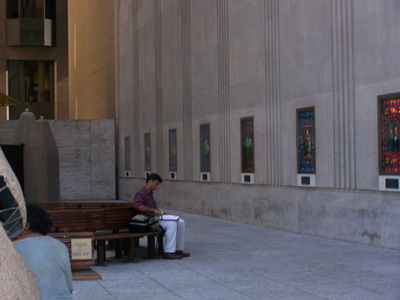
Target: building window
(306, 141)
(247, 144)
(205, 153)
(31, 22)
(31, 81)
(147, 152)
(31, 9)
(389, 134)
(12, 9)
(173, 164)
(50, 9)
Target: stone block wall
(183, 63)
(87, 157)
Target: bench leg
(130, 249)
(118, 249)
(137, 244)
(101, 252)
(111, 243)
(150, 246)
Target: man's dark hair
(154, 177)
(39, 219)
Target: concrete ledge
(357, 216)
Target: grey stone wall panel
(86, 151)
(7, 129)
(266, 59)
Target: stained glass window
(172, 151)
(247, 144)
(306, 141)
(205, 150)
(147, 152)
(389, 135)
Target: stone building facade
(186, 63)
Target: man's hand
(146, 209)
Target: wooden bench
(108, 220)
(131, 237)
(91, 219)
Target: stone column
(52, 162)
(35, 163)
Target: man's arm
(144, 208)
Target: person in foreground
(145, 203)
(47, 257)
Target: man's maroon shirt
(144, 197)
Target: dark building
(34, 57)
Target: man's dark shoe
(183, 254)
(172, 256)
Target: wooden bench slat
(85, 273)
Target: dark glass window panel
(389, 135)
(247, 145)
(205, 148)
(147, 152)
(173, 163)
(32, 9)
(12, 9)
(15, 80)
(31, 81)
(306, 141)
(50, 9)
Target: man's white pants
(174, 235)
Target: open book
(168, 217)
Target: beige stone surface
(91, 59)
(17, 279)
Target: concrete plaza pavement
(237, 261)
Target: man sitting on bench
(145, 203)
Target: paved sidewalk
(236, 261)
